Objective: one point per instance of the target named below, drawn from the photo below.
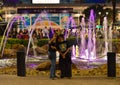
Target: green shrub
(17, 41)
(12, 41)
(72, 41)
(42, 42)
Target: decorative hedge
(41, 42)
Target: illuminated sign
(48, 10)
(45, 1)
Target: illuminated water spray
(14, 19)
(105, 26)
(17, 18)
(83, 40)
(69, 25)
(91, 46)
(87, 49)
(40, 18)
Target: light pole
(99, 18)
(114, 11)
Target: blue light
(95, 1)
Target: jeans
(53, 64)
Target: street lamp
(100, 18)
(107, 13)
(114, 11)
(99, 13)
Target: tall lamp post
(114, 11)
(111, 56)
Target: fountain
(20, 18)
(38, 19)
(91, 37)
(87, 47)
(7, 30)
(84, 53)
(69, 25)
(83, 40)
(105, 26)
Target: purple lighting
(91, 37)
(83, 41)
(7, 30)
(69, 25)
(43, 15)
(87, 48)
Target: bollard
(111, 64)
(21, 67)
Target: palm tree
(100, 13)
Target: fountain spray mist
(7, 30)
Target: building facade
(57, 13)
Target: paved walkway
(44, 80)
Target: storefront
(58, 11)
